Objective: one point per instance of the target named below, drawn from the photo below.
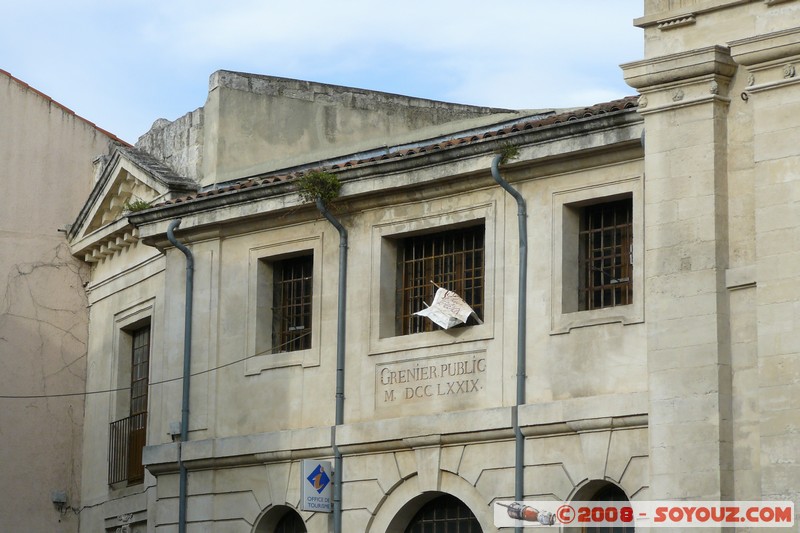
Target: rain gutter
(340, 338)
(519, 456)
(187, 362)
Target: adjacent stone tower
(721, 100)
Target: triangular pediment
(131, 180)
(127, 191)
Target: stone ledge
(768, 48)
(673, 70)
(740, 278)
(700, 8)
(581, 415)
(677, 22)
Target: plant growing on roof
(508, 152)
(135, 205)
(318, 184)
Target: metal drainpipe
(187, 364)
(340, 332)
(519, 476)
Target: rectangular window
(128, 435)
(139, 370)
(606, 255)
(451, 259)
(291, 304)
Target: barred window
(291, 307)
(444, 514)
(606, 255)
(451, 259)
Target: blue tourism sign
(316, 483)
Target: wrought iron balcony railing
(127, 438)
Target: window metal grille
(606, 255)
(445, 514)
(128, 436)
(452, 259)
(291, 311)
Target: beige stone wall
(775, 96)
(672, 26)
(253, 124)
(179, 144)
(718, 89)
(687, 393)
(46, 156)
(125, 289)
(256, 415)
(257, 124)
(383, 488)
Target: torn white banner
(448, 310)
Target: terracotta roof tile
(629, 102)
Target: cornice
(683, 67)
(772, 59)
(684, 79)
(669, 19)
(105, 241)
(380, 436)
(766, 48)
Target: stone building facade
(660, 358)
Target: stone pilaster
(773, 90)
(684, 103)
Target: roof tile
(568, 116)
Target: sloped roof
(629, 102)
(157, 169)
(156, 175)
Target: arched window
(444, 514)
(609, 492)
(290, 523)
(280, 519)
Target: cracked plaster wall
(46, 158)
(43, 329)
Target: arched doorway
(290, 523)
(444, 514)
(281, 519)
(602, 491)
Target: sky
(123, 64)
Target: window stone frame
(385, 239)
(566, 206)
(259, 322)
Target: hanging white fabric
(448, 309)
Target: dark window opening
(291, 307)
(606, 255)
(452, 259)
(445, 514)
(611, 493)
(290, 523)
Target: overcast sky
(122, 64)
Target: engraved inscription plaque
(458, 378)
